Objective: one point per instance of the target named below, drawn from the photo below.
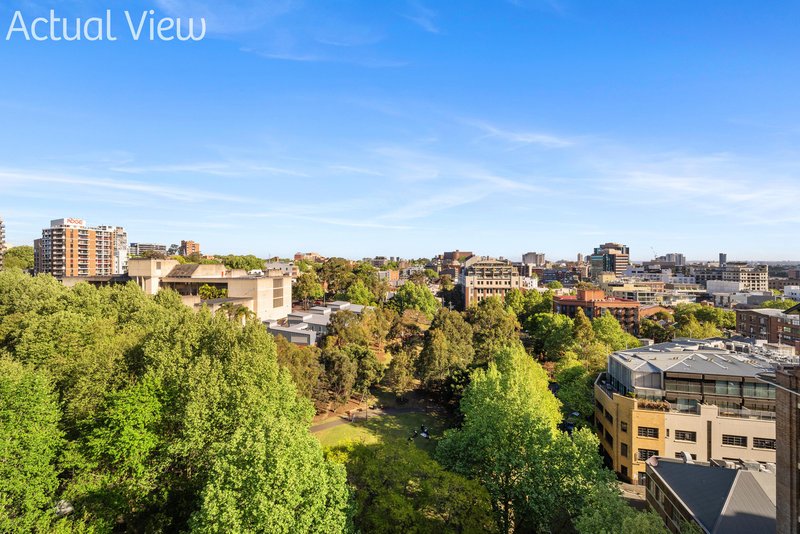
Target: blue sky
(362, 128)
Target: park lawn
(396, 426)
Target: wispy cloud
(519, 138)
(423, 17)
(219, 168)
(12, 177)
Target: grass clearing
(395, 426)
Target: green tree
(656, 331)
(209, 292)
(607, 513)
(358, 293)
(688, 326)
(536, 476)
(19, 258)
(411, 296)
(608, 330)
(303, 364)
(783, 304)
(272, 477)
(493, 327)
(400, 373)
(340, 374)
(307, 287)
(447, 348)
(555, 284)
(399, 488)
(337, 275)
(29, 449)
(552, 334)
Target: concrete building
(684, 396)
(719, 500)
(536, 259)
(751, 277)
(723, 259)
(482, 277)
(137, 249)
(609, 257)
(792, 292)
(594, 302)
(268, 296)
(2, 242)
(70, 248)
(189, 248)
(305, 327)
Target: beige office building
(269, 296)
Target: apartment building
(686, 396)
(759, 324)
(268, 295)
(789, 328)
(2, 242)
(594, 303)
(70, 248)
(121, 248)
(751, 277)
(311, 257)
(189, 248)
(483, 277)
(137, 249)
(609, 257)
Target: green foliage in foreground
(399, 488)
(537, 477)
(170, 420)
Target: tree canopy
(168, 419)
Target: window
(685, 435)
(648, 432)
(609, 417)
(642, 479)
(644, 454)
(623, 450)
(680, 456)
(728, 387)
(599, 405)
(624, 471)
(623, 426)
(734, 441)
(764, 443)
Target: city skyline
(414, 126)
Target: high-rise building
(535, 259)
(679, 260)
(2, 242)
(121, 249)
(70, 248)
(189, 248)
(609, 257)
(483, 277)
(723, 259)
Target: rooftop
(730, 501)
(691, 356)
